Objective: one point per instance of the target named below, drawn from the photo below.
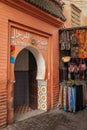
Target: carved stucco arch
(41, 67)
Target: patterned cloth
(73, 97)
(61, 96)
(65, 98)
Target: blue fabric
(73, 99)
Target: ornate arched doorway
(26, 59)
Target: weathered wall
(10, 15)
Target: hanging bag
(82, 65)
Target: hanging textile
(69, 95)
(84, 85)
(72, 97)
(61, 96)
(82, 44)
(79, 98)
(85, 45)
(74, 44)
(65, 98)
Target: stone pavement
(53, 120)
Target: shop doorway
(25, 88)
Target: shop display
(73, 69)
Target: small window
(75, 16)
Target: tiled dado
(42, 95)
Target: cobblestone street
(53, 120)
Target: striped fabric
(72, 97)
(61, 96)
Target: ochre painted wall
(8, 16)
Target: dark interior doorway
(25, 88)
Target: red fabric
(12, 47)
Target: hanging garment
(79, 98)
(67, 40)
(85, 45)
(83, 83)
(86, 94)
(63, 40)
(65, 97)
(74, 45)
(82, 47)
(69, 96)
(73, 38)
(85, 50)
(82, 35)
(61, 96)
(74, 52)
(81, 52)
(86, 35)
(77, 35)
(73, 98)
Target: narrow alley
(53, 120)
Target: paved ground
(53, 120)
